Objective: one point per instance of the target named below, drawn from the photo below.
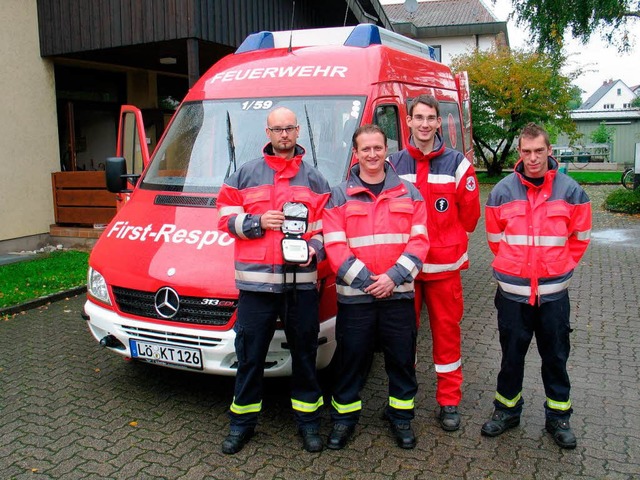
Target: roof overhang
(627, 114)
(493, 28)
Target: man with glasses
(250, 206)
(447, 181)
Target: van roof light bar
(362, 35)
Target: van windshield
(207, 141)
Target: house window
(626, 105)
(437, 51)
(619, 91)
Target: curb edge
(38, 302)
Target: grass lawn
(42, 276)
(593, 178)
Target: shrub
(603, 134)
(623, 201)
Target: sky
(598, 60)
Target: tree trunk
(494, 168)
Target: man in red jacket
(447, 181)
(376, 241)
(250, 206)
(538, 224)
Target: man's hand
(271, 220)
(382, 287)
(312, 252)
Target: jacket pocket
(249, 253)
(558, 218)
(513, 210)
(400, 214)
(553, 269)
(507, 265)
(356, 220)
(303, 196)
(257, 201)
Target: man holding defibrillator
(272, 206)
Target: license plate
(166, 354)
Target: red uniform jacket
(366, 235)
(448, 184)
(537, 233)
(267, 184)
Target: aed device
(296, 220)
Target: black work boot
(236, 440)
(311, 440)
(449, 418)
(561, 432)
(499, 423)
(340, 435)
(403, 433)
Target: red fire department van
(161, 277)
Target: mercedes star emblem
(167, 302)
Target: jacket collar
(416, 153)
(391, 181)
(287, 167)
(549, 175)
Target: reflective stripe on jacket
(267, 184)
(448, 184)
(366, 235)
(538, 234)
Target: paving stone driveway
(71, 410)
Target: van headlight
(97, 286)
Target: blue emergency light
(362, 36)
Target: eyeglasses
(279, 130)
(429, 119)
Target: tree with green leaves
(549, 19)
(635, 103)
(510, 88)
(576, 98)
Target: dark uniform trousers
(517, 323)
(255, 326)
(393, 322)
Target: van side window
(386, 117)
(466, 117)
(451, 127)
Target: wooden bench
(81, 198)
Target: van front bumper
(216, 347)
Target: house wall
(28, 126)
(453, 46)
(626, 135)
(618, 96)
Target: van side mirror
(116, 175)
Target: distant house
(610, 105)
(451, 27)
(612, 95)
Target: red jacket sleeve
(468, 198)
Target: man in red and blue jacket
(447, 181)
(250, 208)
(376, 240)
(538, 223)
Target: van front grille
(185, 201)
(193, 310)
